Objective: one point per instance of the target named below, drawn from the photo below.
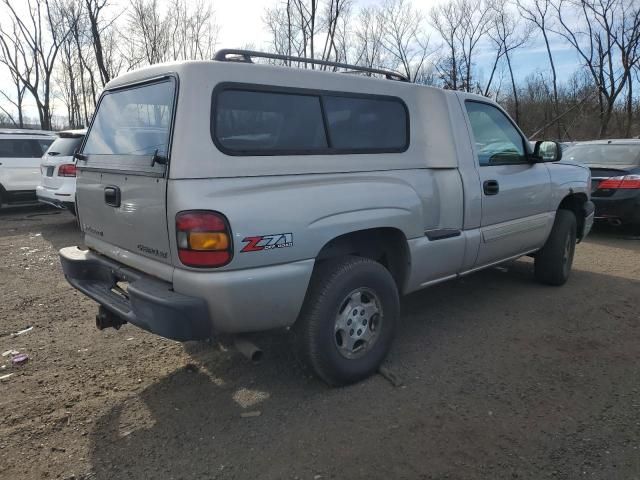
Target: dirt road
(503, 378)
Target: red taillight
(630, 182)
(67, 170)
(204, 239)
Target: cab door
(516, 191)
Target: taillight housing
(629, 182)
(204, 239)
(67, 170)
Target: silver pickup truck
(225, 197)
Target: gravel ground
(502, 378)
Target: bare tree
(462, 24)
(368, 35)
(193, 32)
(606, 41)
(508, 34)
(69, 69)
(186, 31)
(299, 27)
(538, 13)
(16, 60)
(148, 31)
(475, 16)
(94, 10)
(446, 19)
(403, 39)
(39, 34)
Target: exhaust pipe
(616, 222)
(246, 347)
(106, 319)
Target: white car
(20, 154)
(58, 171)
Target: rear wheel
(348, 319)
(553, 262)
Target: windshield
(133, 121)
(605, 154)
(64, 146)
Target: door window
(498, 142)
(20, 148)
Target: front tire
(348, 319)
(553, 262)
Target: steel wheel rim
(358, 323)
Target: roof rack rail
(244, 56)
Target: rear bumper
(196, 304)
(624, 208)
(59, 198)
(149, 303)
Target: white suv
(20, 154)
(58, 169)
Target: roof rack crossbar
(232, 55)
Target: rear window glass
(64, 146)
(269, 122)
(257, 122)
(21, 148)
(360, 123)
(44, 144)
(605, 154)
(133, 121)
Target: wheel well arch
(385, 245)
(575, 202)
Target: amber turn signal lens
(208, 241)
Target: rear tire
(348, 319)
(553, 262)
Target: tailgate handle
(112, 196)
(491, 187)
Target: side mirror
(547, 151)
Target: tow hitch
(106, 319)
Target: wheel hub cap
(358, 323)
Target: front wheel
(553, 262)
(348, 319)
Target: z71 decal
(267, 242)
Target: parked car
(20, 153)
(229, 197)
(615, 178)
(58, 171)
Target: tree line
(67, 50)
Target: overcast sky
(241, 23)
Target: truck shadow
(492, 342)
(624, 237)
(58, 227)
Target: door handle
(491, 187)
(112, 196)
